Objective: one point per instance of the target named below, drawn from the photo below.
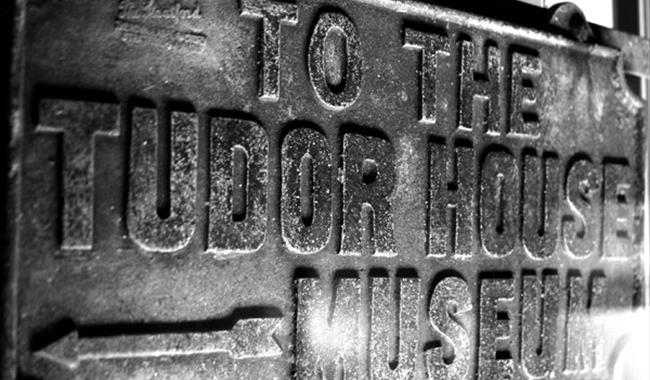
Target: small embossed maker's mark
(153, 10)
(171, 24)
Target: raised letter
(450, 199)
(499, 202)
(306, 190)
(394, 327)
(367, 191)
(495, 341)
(620, 211)
(80, 125)
(586, 338)
(328, 341)
(272, 14)
(580, 227)
(451, 314)
(162, 178)
(541, 204)
(479, 91)
(434, 49)
(238, 176)
(335, 60)
(539, 322)
(526, 71)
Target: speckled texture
(450, 311)
(539, 322)
(367, 205)
(162, 217)
(344, 93)
(227, 232)
(468, 161)
(394, 307)
(311, 235)
(77, 125)
(329, 344)
(495, 329)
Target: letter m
(328, 344)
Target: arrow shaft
(134, 346)
(248, 338)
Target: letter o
(334, 60)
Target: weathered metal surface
(352, 189)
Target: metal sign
(306, 189)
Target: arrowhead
(63, 351)
(254, 337)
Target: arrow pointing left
(248, 338)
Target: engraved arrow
(248, 338)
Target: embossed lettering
(620, 199)
(434, 49)
(479, 91)
(328, 340)
(394, 327)
(273, 14)
(335, 60)
(495, 330)
(451, 314)
(306, 190)
(238, 178)
(450, 198)
(162, 178)
(171, 24)
(541, 204)
(585, 338)
(539, 323)
(80, 126)
(580, 226)
(367, 195)
(499, 202)
(155, 9)
(526, 73)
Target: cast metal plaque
(263, 189)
